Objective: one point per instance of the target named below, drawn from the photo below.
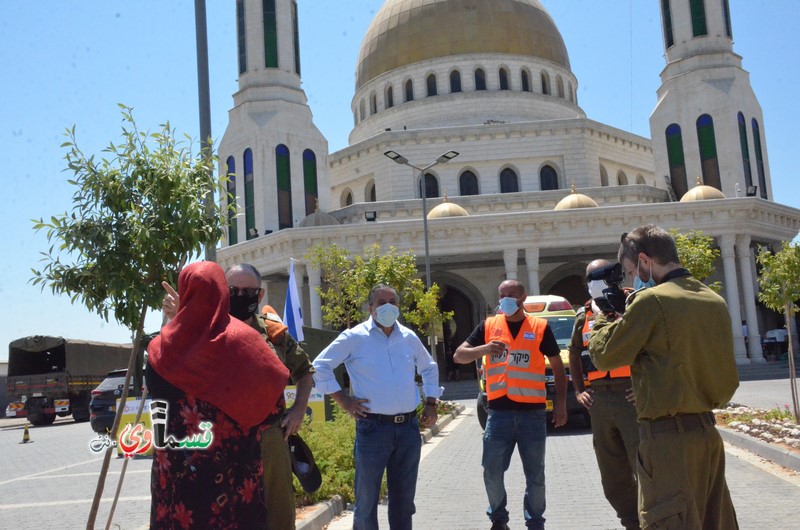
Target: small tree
(780, 291)
(697, 254)
(137, 216)
(347, 282)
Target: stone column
(532, 262)
(510, 261)
(745, 256)
(314, 282)
(726, 245)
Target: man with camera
(676, 335)
(608, 398)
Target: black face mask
(243, 307)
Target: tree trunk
(789, 311)
(101, 480)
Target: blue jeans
(395, 448)
(527, 429)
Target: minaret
(277, 156)
(707, 122)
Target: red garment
(214, 357)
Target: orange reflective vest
(518, 372)
(623, 371)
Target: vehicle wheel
(483, 412)
(80, 414)
(41, 419)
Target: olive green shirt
(678, 339)
(289, 351)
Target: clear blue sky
(70, 63)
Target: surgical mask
(508, 305)
(596, 288)
(639, 284)
(386, 315)
(243, 307)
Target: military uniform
(615, 430)
(678, 340)
(278, 485)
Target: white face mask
(386, 315)
(508, 305)
(596, 288)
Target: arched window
(726, 13)
(509, 182)
(640, 180)
(526, 81)
(431, 186)
(698, 10)
(622, 178)
(480, 79)
(284, 177)
(708, 151)
(369, 192)
(347, 198)
(503, 75)
(431, 83)
(409, 87)
(666, 17)
(545, 82)
(748, 174)
(677, 163)
(560, 86)
(296, 32)
(468, 184)
(762, 179)
(249, 195)
(362, 111)
(373, 104)
(233, 235)
(310, 180)
(570, 92)
(270, 34)
(389, 97)
(241, 36)
(455, 81)
(548, 178)
(603, 176)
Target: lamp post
(441, 159)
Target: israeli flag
(292, 313)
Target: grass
(725, 417)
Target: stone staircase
(766, 371)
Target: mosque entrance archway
(572, 288)
(465, 301)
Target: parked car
(561, 317)
(103, 405)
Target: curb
(325, 511)
(779, 455)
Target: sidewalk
(450, 491)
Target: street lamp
(441, 159)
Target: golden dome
(575, 200)
(447, 209)
(702, 192)
(408, 31)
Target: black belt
(390, 418)
(615, 384)
(676, 424)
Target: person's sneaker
(499, 526)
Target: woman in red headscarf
(217, 375)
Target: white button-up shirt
(381, 367)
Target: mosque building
(487, 107)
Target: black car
(103, 406)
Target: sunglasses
(245, 291)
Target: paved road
(50, 482)
(771, 394)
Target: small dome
(575, 200)
(319, 218)
(410, 31)
(447, 209)
(702, 192)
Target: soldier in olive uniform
(676, 334)
(615, 430)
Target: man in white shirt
(381, 356)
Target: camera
(613, 298)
